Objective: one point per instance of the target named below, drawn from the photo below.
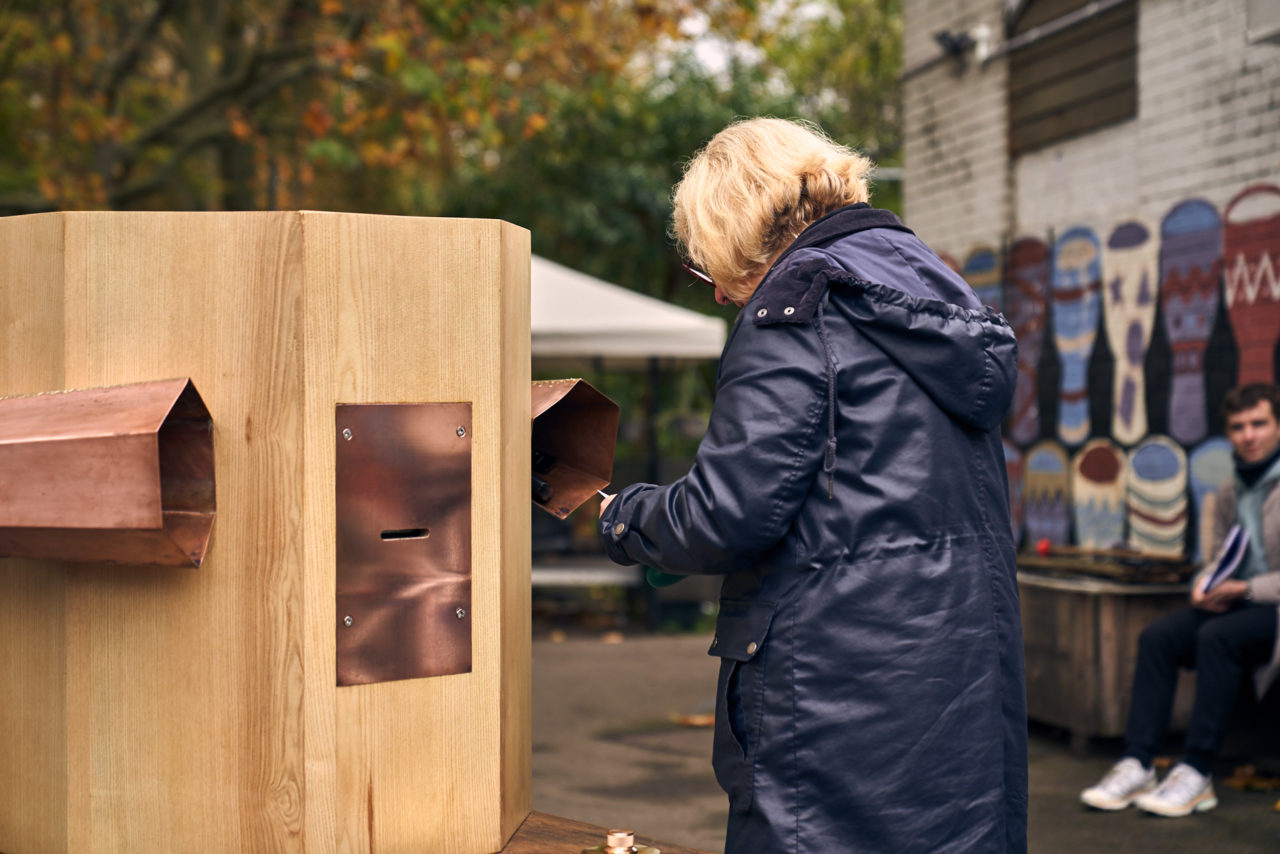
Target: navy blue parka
(851, 489)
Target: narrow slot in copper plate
(403, 500)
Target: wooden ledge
(549, 834)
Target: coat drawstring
(829, 461)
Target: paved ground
(606, 751)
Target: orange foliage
(106, 105)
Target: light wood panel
(199, 710)
(33, 751)
(437, 310)
(550, 834)
(1081, 638)
(185, 700)
(516, 692)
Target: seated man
(1228, 633)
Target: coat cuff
(614, 531)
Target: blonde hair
(753, 188)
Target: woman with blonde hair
(851, 490)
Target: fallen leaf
(1247, 778)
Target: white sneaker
(1183, 792)
(1126, 781)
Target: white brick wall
(956, 188)
(1208, 125)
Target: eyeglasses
(698, 274)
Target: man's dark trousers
(1222, 649)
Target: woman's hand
(604, 502)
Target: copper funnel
(121, 474)
(575, 431)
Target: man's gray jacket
(1263, 588)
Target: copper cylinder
(122, 474)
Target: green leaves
(417, 106)
(333, 152)
(419, 80)
(845, 62)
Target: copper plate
(122, 474)
(403, 500)
(575, 431)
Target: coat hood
(964, 358)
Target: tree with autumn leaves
(365, 105)
(235, 104)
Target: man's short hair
(1248, 396)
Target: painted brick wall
(956, 189)
(1208, 125)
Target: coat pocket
(741, 632)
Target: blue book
(1234, 545)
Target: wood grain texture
(153, 710)
(321, 821)
(1073, 81)
(437, 310)
(1081, 640)
(185, 689)
(1069, 55)
(33, 749)
(516, 690)
(542, 833)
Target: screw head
(346, 621)
(461, 613)
(462, 431)
(346, 433)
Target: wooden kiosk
(165, 709)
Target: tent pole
(655, 474)
(651, 416)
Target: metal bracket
(402, 480)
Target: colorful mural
(1098, 483)
(1157, 497)
(1251, 248)
(1025, 307)
(982, 271)
(1168, 356)
(1190, 268)
(1046, 494)
(1077, 274)
(1130, 263)
(1209, 466)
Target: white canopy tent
(576, 316)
